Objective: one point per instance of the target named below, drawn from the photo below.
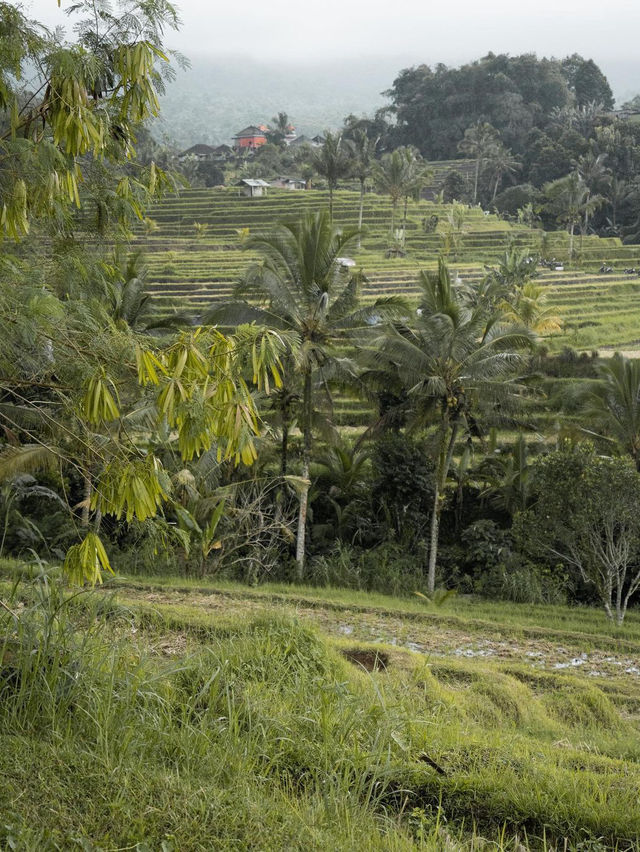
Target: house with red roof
(250, 138)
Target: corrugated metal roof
(255, 182)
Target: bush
(402, 489)
(491, 568)
(512, 199)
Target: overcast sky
(414, 31)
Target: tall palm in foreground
(612, 404)
(300, 286)
(458, 357)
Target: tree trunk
(284, 447)
(495, 187)
(433, 540)
(331, 202)
(86, 499)
(404, 219)
(475, 182)
(619, 607)
(444, 463)
(571, 241)
(360, 212)
(306, 461)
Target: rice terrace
(319, 432)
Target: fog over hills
(217, 97)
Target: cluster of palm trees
(453, 362)
(482, 143)
(448, 360)
(400, 174)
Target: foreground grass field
(178, 716)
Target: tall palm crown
(569, 197)
(391, 178)
(480, 141)
(302, 284)
(457, 354)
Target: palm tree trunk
(394, 204)
(475, 182)
(404, 219)
(331, 201)
(86, 499)
(433, 541)
(284, 447)
(361, 211)
(571, 241)
(444, 462)
(306, 461)
(495, 187)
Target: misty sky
(412, 31)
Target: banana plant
(193, 536)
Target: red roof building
(250, 138)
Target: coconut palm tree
(611, 404)
(567, 197)
(280, 126)
(527, 306)
(332, 162)
(390, 176)
(458, 356)
(480, 141)
(417, 176)
(303, 288)
(363, 151)
(597, 177)
(501, 162)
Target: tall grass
(259, 734)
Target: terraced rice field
(191, 270)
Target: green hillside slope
(191, 270)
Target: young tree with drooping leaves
(76, 120)
(81, 390)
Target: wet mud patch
(366, 658)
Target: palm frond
(27, 458)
